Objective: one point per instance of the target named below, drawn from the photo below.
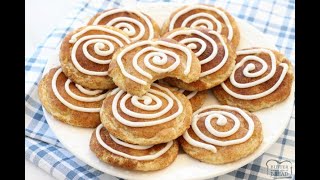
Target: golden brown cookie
(158, 116)
(85, 55)
(113, 151)
(260, 79)
(222, 134)
(136, 66)
(216, 56)
(206, 16)
(70, 102)
(137, 25)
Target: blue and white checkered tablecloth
(42, 148)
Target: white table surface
(41, 16)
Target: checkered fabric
(274, 18)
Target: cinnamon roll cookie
(70, 102)
(260, 79)
(206, 16)
(216, 56)
(136, 66)
(85, 55)
(222, 134)
(113, 151)
(157, 117)
(137, 25)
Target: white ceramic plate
(274, 121)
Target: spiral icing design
(96, 47)
(201, 43)
(257, 70)
(134, 23)
(153, 108)
(88, 96)
(155, 59)
(221, 115)
(131, 146)
(202, 16)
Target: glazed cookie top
(205, 16)
(258, 73)
(90, 48)
(137, 25)
(219, 125)
(75, 96)
(208, 45)
(143, 62)
(156, 107)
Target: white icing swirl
(221, 116)
(251, 67)
(100, 42)
(203, 47)
(208, 24)
(201, 18)
(132, 146)
(151, 96)
(75, 96)
(125, 23)
(157, 56)
(88, 92)
(81, 98)
(190, 95)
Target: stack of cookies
(143, 87)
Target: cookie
(216, 56)
(86, 52)
(260, 79)
(157, 117)
(222, 134)
(136, 66)
(70, 102)
(113, 151)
